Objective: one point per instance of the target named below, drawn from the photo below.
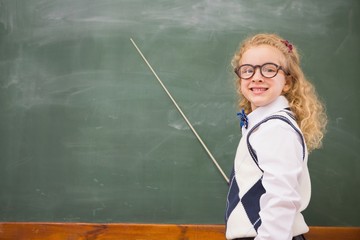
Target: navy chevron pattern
(251, 203)
(233, 196)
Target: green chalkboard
(87, 134)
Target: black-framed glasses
(268, 70)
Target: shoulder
(275, 127)
(278, 132)
(275, 124)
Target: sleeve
(279, 152)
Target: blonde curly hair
(304, 102)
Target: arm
(279, 151)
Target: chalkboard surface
(88, 135)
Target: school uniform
(270, 183)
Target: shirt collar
(262, 112)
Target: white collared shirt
(285, 177)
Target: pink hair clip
(288, 44)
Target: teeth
(258, 89)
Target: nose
(257, 76)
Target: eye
(246, 70)
(269, 68)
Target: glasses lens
(246, 71)
(269, 70)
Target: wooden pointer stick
(181, 112)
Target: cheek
(243, 85)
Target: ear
(288, 84)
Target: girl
(270, 183)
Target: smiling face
(259, 90)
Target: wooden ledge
(127, 231)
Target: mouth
(258, 89)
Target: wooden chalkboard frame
(127, 231)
